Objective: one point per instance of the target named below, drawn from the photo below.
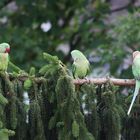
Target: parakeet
(80, 67)
(4, 56)
(136, 73)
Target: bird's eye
(77, 59)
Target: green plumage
(136, 73)
(3, 61)
(80, 67)
(136, 67)
(4, 56)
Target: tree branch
(99, 81)
(131, 3)
(119, 9)
(5, 3)
(24, 77)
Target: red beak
(7, 50)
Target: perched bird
(4, 56)
(136, 73)
(80, 67)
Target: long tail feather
(134, 96)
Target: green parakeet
(4, 56)
(80, 67)
(136, 73)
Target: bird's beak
(7, 50)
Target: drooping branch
(99, 81)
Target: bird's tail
(134, 96)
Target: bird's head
(4, 48)
(136, 54)
(77, 55)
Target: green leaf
(3, 100)
(75, 129)
(27, 84)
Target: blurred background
(106, 31)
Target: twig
(99, 81)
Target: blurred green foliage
(81, 24)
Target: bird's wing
(73, 69)
(88, 68)
(3, 61)
(136, 68)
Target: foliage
(56, 109)
(54, 113)
(126, 31)
(76, 25)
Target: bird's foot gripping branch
(44, 105)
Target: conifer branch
(25, 77)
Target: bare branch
(99, 81)
(131, 3)
(5, 3)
